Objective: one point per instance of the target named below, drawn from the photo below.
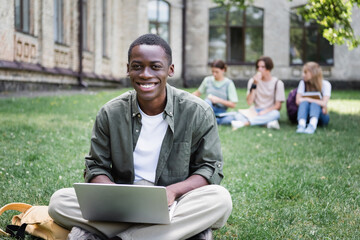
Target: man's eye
(136, 67)
(157, 66)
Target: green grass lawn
(283, 185)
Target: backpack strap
(21, 207)
(15, 231)
(275, 90)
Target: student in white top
(312, 111)
(266, 93)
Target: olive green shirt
(191, 144)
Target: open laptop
(124, 203)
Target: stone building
(272, 28)
(66, 43)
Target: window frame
(59, 25)
(305, 30)
(244, 26)
(157, 23)
(85, 14)
(104, 28)
(28, 13)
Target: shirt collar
(134, 105)
(169, 107)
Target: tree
(228, 3)
(334, 16)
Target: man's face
(261, 67)
(218, 73)
(148, 70)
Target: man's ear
(127, 69)
(171, 70)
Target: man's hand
(176, 190)
(306, 99)
(171, 195)
(214, 99)
(324, 110)
(257, 77)
(263, 112)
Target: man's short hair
(219, 64)
(152, 39)
(269, 65)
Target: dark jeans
(216, 109)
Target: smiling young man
(153, 135)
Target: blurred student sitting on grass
(220, 91)
(311, 110)
(265, 95)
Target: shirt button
(137, 130)
(139, 115)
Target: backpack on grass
(291, 106)
(35, 220)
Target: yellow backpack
(35, 220)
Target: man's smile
(147, 86)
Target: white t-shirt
(325, 89)
(147, 150)
(265, 92)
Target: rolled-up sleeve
(206, 159)
(98, 161)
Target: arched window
(307, 42)
(159, 18)
(236, 35)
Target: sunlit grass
(283, 185)
(345, 106)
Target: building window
(59, 21)
(23, 16)
(307, 42)
(159, 18)
(84, 25)
(236, 35)
(104, 27)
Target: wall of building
(32, 59)
(197, 35)
(276, 44)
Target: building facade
(272, 28)
(64, 43)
